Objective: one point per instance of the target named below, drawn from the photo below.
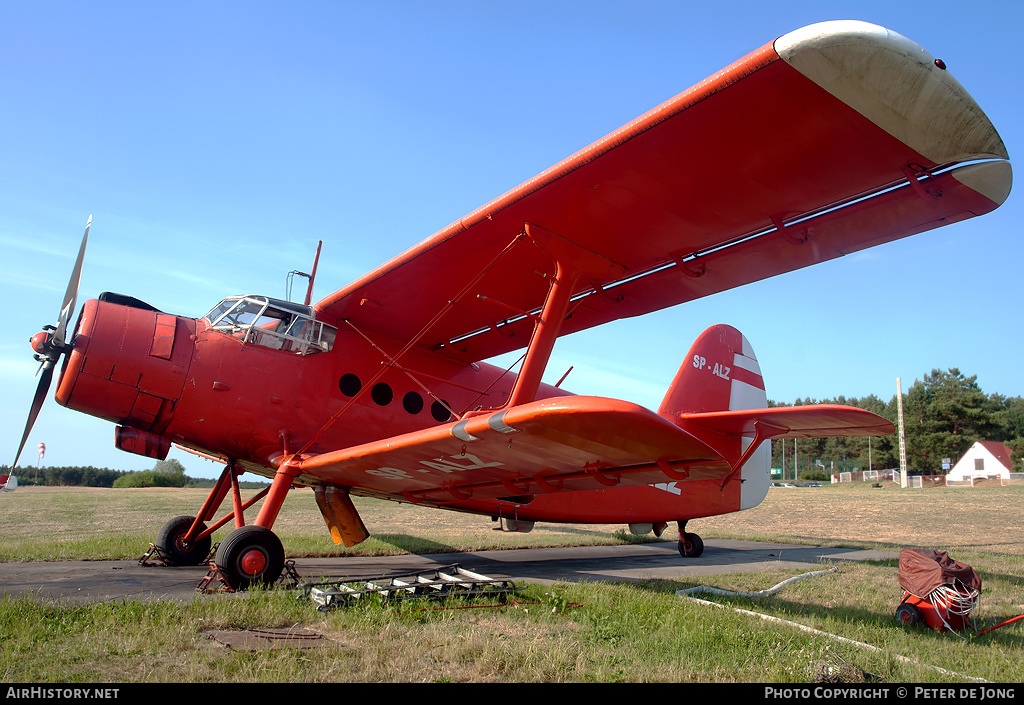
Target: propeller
(51, 342)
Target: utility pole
(903, 442)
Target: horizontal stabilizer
(813, 421)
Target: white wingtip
(897, 85)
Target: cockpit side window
(269, 323)
(220, 309)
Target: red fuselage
(208, 390)
(167, 379)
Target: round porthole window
(349, 385)
(412, 403)
(382, 394)
(440, 412)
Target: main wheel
(250, 555)
(908, 615)
(690, 545)
(176, 552)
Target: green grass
(588, 632)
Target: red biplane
(859, 137)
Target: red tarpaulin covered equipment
(937, 590)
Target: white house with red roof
(983, 459)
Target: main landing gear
(173, 547)
(249, 555)
(690, 545)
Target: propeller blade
(54, 345)
(37, 404)
(67, 309)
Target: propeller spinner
(50, 343)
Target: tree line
(944, 414)
(166, 473)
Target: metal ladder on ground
(442, 583)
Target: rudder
(721, 373)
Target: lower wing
(570, 444)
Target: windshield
(272, 323)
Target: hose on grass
(802, 627)
(759, 593)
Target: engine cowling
(127, 365)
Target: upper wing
(831, 139)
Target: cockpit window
(272, 323)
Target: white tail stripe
(747, 363)
(745, 396)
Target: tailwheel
(690, 545)
(250, 555)
(174, 551)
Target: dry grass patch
(69, 523)
(48, 523)
(860, 515)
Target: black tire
(908, 615)
(690, 545)
(173, 551)
(250, 555)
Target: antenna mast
(311, 277)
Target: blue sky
(216, 143)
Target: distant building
(983, 459)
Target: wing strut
(393, 363)
(408, 346)
(762, 432)
(572, 263)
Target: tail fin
(720, 373)
(718, 397)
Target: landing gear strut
(250, 555)
(690, 545)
